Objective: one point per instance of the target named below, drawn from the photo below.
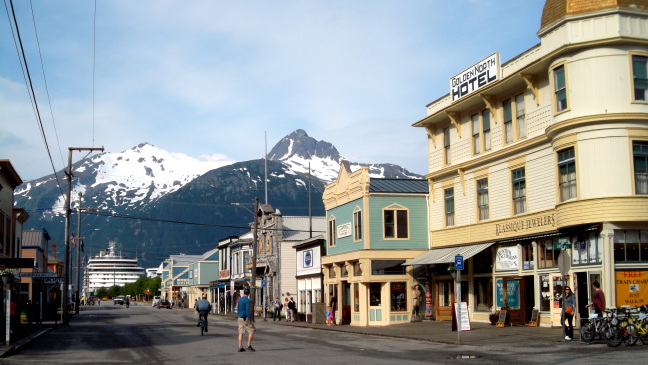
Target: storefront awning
(447, 254)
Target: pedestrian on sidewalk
(277, 309)
(599, 299)
(333, 305)
(245, 321)
(569, 303)
(288, 311)
(292, 308)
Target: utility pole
(254, 257)
(65, 318)
(78, 256)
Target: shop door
(375, 304)
(518, 292)
(445, 298)
(346, 302)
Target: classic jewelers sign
(519, 225)
(475, 77)
(507, 258)
(344, 230)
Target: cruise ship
(109, 268)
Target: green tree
(102, 292)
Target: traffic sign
(459, 262)
(38, 275)
(53, 280)
(562, 244)
(263, 283)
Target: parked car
(156, 300)
(119, 300)
(163, 303)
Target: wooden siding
(288, 269)
(344, 214)
(417, 206)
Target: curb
(18, 345)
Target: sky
(210, 79)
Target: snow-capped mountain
(127, 179)
(298, 150)
(154, 203)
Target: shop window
(519, 190)
(449, 206)
(331, 272)
(332, 240)
(446, 145)
(317, 296)
(586, 249)
(567, 174)
(357, 225)
(560, 88)
(545, 293)
(487, 130)
(548, 256)
(482, 198)
(558, 290)
(474, 121)
(398, 293)
(375, 294)
(527, 256)
(345, 271)
(630, 245)
(387, 267)
(395, 223)
(519, 116)
(247, 260)
(357, 269)
(508, 121)
(640, 77)
(640, 158)
(483, 262)
(483, 293)
(445, 293)
(356, 297)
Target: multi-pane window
(519, 190)
(357, 225)
(395, 223)
(519, 116)
(560, 88)
(474, 121)
(486, 129)
(446, 145)
(398, 296)
(449, 206)
(483, 293)
(567, 174)
(508, 121)
(587, 249)
(640, 77)
(548, 255)
(640, 157)
(482, 198)
(332, 240)
(630, 245)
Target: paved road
(145, 335)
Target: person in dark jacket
(569, 303)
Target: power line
(29, 84)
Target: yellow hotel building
(538, 167)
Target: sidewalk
(481, 334)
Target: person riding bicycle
(203, 307)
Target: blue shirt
(244, 308)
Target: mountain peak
(300, 145)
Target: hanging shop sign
(507, 258)
(475, 77)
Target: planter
(7, 279)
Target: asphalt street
(145, 335)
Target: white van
(156, 300)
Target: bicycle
(202, 325)
(620, 329)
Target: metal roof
(411, 186)
(297, 228)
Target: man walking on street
(203, 307)
(245, 321)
